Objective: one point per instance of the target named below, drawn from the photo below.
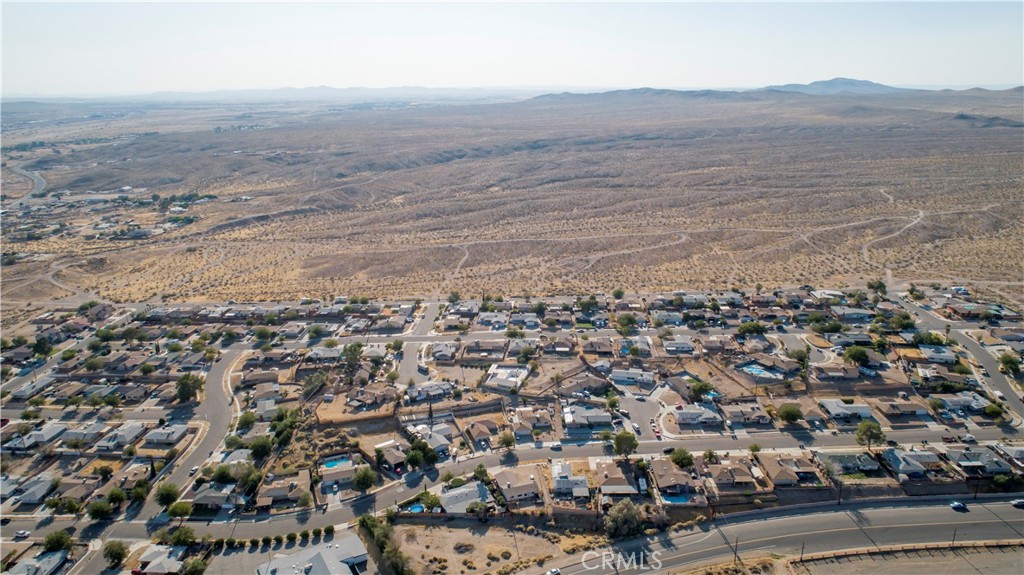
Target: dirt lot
(488, 547)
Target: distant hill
(355, 94)
(838, 86)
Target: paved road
(853, 527)
(216, 410)
(927, 320)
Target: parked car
(556, 447)
(1019, 503)
(636, 427)
(668, 450)
(193, 470)
(958, 506)
(891, 443)
(21, 534)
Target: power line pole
(953, 542)
(736, 549)
(802, 544)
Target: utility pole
(802, 544)
(736, 549)
(953, 542)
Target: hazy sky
(125, 48)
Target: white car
(636, 427)
(21, 534)
(1017, 503)
(554, 571)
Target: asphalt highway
(789, 532)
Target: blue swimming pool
(332, 463)
(676, 498)
(416, 508)
(758, 371)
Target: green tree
(750, 328)
(710, 456)
(364, 478)
(856, 355)
(99, 510)
(117, 496)
(57, 541)
(454, 297)
(188, 386)
(193, 566)
(790, 413)
(68, 354)
(507, 440)
(167, 493)
(179, 510)
(699, 390)
(94, 364)
(681, 457)
(184, 536)
(42, 346)
(612, 403)
(625, 443)
(869, 432)
(246, 420)
(994, 411)
(1010, 363)
(618, 293)
(623, 520)
(261, 447)
(115, 552)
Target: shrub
(291, 537)
(317, 531)
(329, 530)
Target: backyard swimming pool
(758, 371)
(416, 508)
(676, 498)
(332, 463)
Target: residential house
(745, 413)
(344, 554)
(284, 488)
(733, 472)
(844, 313)
(632, 376)
(480, 433)
(938, 354)
(46, 563)
(834, 372)
(698, 414)
(839, 410)
(613, 483)
(600, 346)
(121, 437)
(483, 352)
(784, 470)
(497, 321)
(669, 478)
(527, 320)
(673, 318)
(517, 484)
(444, 352)
(966, 400)
(910, 464)
(525, 420)
(43, 436)
(562, 346)
(459, 499)
(849, 462)
(161, 560)
(167, 435)
(979, 462)
(214, 496)
(267, 409)
(626, 345)
(88, 434)
(36, 488)
(429, 391)
(680, 344)
(577, 417)
(565, 483)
